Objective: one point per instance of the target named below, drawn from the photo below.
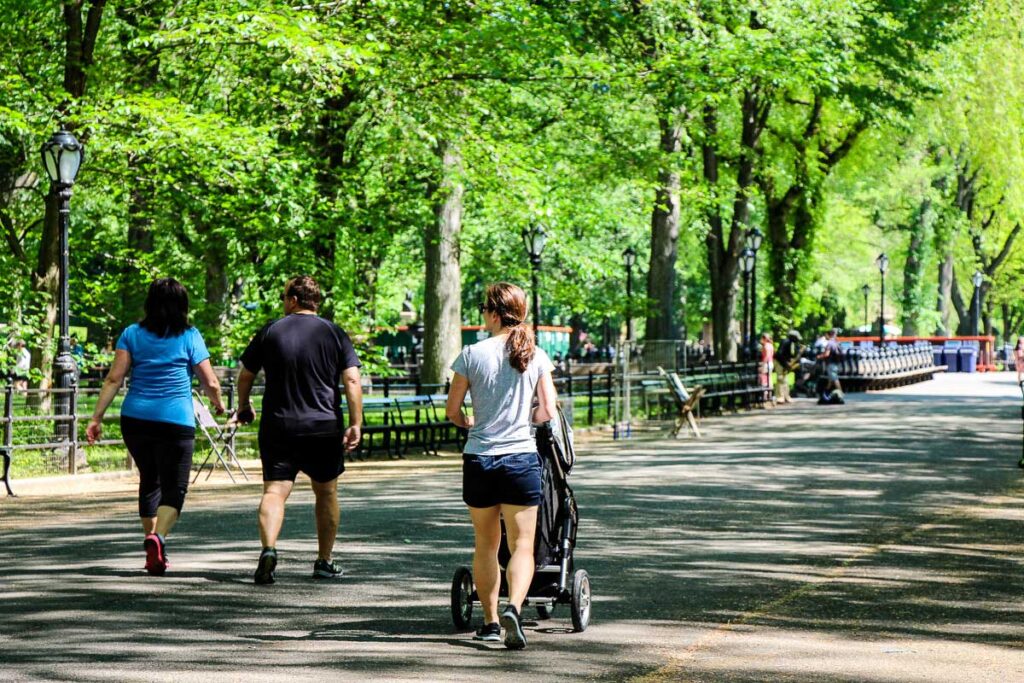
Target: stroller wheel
(462, 599)
(580, 600)
(544, 612)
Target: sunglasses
(481, 308)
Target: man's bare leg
(271, 514)
(328, 515)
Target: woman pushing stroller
(501, 469)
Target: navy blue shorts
(512, 479)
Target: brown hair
(509, 303)
(305, 290)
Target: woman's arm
(111, 385)
(456, 395)
(547, 399)
(210, 384)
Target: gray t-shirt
(502, 397)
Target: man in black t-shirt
(304, 358)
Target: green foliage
(233, 145)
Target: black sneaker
(490, 633)
(266, 566)
(322, 569)
(515, 639)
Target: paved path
(876, 541)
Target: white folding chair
(222, 441)
(686, 403)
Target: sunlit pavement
(876, 541)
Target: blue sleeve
(197, 351)
(124, 342)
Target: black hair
(166, 308)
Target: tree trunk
(724, 250)
(661, 277)
(80, 41)
(962, 309)
(913, 270)
(331, 141)
(216, 291)
(576, 323)
(46, 280)
(442, 306)
(944, 305)
(143, 72)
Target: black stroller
(557, 520)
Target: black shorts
(320, 457)
(489, 480)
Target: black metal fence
(38, 438)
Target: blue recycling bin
(968, 358)
(937, 355)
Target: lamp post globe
(534, 239)
(748, 259)
(754, 239)
(753, 242)
(977, 279)
(883, 266)
(866, 290)
(62, 156)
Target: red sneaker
(156, 557)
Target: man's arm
(245, 380)
(354, 396)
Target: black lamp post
(747, 261)
(866, 290)
(629, 258)
(62, 157)
(754, 239)
(535, 237)
(978, 278)
(883, 265)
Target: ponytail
(509, 303)
(520, 346)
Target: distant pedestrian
(787, 360)
(831, 391)
(767, 364)
(305, 359)
(1018, 359)
(77, 350)
(501, 469)
(157, 421)
(22, 366)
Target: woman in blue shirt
(157, 423)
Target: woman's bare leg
(521, 527)
(486, 574)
